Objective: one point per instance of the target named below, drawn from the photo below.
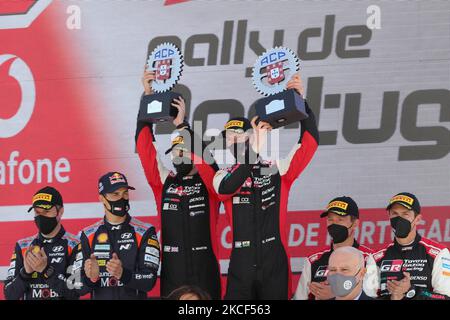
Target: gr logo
(321, 272)
(19, 81)
(392, 265)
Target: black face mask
(401, 226)
(120, 207)
(338, 232)
(183, 166)
(45, 224)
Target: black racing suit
(188, 210)
(136, 244)
(255, 198)
(63, 256)
(315, 269)
(428, 263)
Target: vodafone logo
(16, 76)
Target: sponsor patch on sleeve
(152, 259)
(153, 251)
(153, 242)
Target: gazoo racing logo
(398, 118)
(391, 265)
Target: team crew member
(121, 253)
(188, 209)
(342, 221)
(255, 194)
(412, 267)
(46, 265)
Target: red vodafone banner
(46, 132)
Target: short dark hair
(181, 291)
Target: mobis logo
(348, 42)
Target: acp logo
(21, 14)
(272, 57)
(16, 79)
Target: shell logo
(102, 238)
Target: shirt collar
(408, 247)
(58, 236)
(119, 226)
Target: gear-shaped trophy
(167, 63)
(271, 72)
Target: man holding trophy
(255, 192)
(187, 208)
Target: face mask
(183, 166)
(120, 207)
(45, 224)
(401, 226)
(342, 285)
(338, 232)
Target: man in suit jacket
(346, 272)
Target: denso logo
(19, 96)
(391, 266)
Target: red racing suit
(256, 198)
(188, 210)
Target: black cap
(343, 206)
(46, 198)
(406, 199)
(237, 123)
(112, 181)
(179, 142)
